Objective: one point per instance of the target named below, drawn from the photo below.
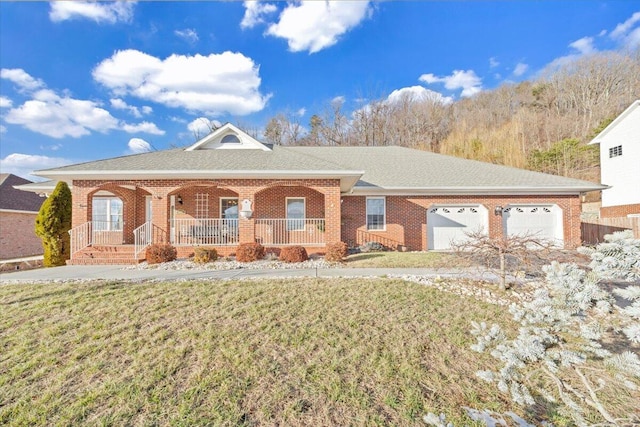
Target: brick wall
(17, 235)
(619, 211)
(267, 197)
(406, 217)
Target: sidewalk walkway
(116, 272)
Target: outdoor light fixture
(498, 210)
(179, 199)
(246, 211)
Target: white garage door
(447, 224)
(545, 221)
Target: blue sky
(82, 80)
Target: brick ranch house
(229, 188)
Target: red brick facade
(267, 196)
(18, 237)
(344, 216)
(406, 217)
(619, 211)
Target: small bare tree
(503, 254)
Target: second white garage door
(543, 221)
(449, 223)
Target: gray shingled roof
(17, 200)
(393, 168)
(280, 159)
(399, 167)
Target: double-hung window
(295, 213)
(229, 208)
(376, 218)
(107, 214)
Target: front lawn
(405, 260)
(296, 352)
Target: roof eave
(598, 139)
(473, 191)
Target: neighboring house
(620, 164)
(229, 188)
(18, 210)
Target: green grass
(299, 352)
(405, 260)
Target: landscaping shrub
(248, 252)
(336, 252)
(161, 252)
(293, 254)
(53, 223)
(204, 255)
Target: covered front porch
(123, 219)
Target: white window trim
(229, 198)
(108, 213)
(286, 212)
(384, 213)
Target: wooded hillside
(543, 124)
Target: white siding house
(620, 163)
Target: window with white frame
(295, 213)
(202, 205)
(107, 214)
(376, 218)
(229, 208)
(615, 151)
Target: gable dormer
(228, 137)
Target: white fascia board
(18, 211)
(477, 191)
(621, 117)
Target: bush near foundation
(336, 252)
(248, 252)
(161, 252)
(293, 254)
(53, 223)
(204, 255)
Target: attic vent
(230, 139)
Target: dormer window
(230, 139)
(615, 151)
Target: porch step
(96, 255)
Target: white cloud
(3, 128)
(138, 145)
(584, 46)
(187, 34)
(626, 33)
(202, 126)
(338, 100)
(59, 116)
(120, 104)
(520, 69)
(24, 164)
(468, 81)
(417, 94)
(5, 102)
(301, 112)
(316, 25)
(214, 84)
(108, 12)
(493, 62)
(255, 13)
(21, 78)
(144, 127)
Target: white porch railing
(280, 232)
(80, 237)
(142, 237)
(205, 231)
(94, 233)
(106, 233)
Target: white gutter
(471, 191)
